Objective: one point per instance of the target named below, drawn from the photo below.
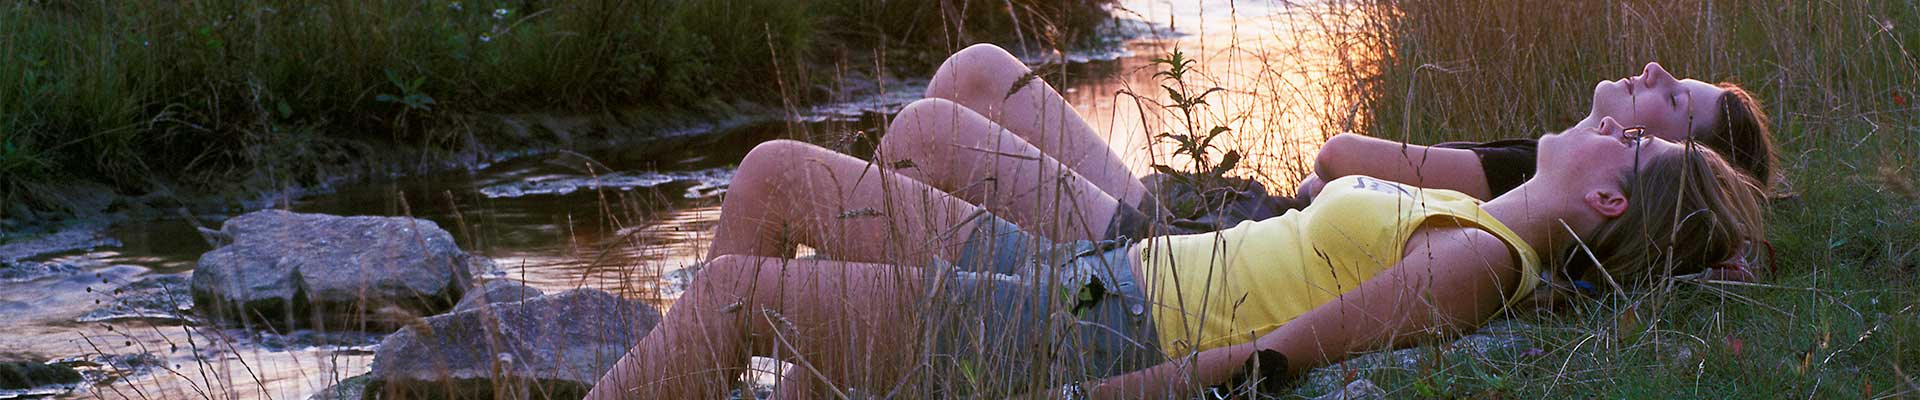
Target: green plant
(410, 98)
(1194, 143)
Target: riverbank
(232, 99)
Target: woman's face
(1668, 108)
(1607, 151)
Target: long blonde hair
(1685, 211)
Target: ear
(1609, 203)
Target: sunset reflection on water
(1286, 68)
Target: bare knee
(921, 121)
(769, 161)
(918, 129)
(977, 76)
(724, 274)
(765, 172)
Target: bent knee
(982, 51)
(727, 272)
(777, 149)
(975, 73)
(915, 131)
(922, 122)
(769, 160)
(925, 110)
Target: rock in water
(553, 346)
(25, 271)
(25, 378)
(347, 389)
(497, 291)
(290, 270)
(159, 298)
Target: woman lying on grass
(1371, 265)
(991, 129)
(1724, 117)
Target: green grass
(129, 92)
(1837, 317)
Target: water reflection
(1284, 67)
(629, 262)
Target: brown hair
(1685, 211)
(1741, 133)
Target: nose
(1655, 74)
(1609, 127)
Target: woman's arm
(1451, 280)
(1423, 166)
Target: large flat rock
(553, 346)
(290, 270)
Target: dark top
(1176, 206)
(1507, 162)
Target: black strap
(1265, 372)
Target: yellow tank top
(1221, 288)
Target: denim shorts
(1018, 312)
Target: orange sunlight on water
(1284, 68)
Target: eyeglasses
(1635, 133)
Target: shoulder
(1463, 246)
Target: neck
(1591, 121)
(1537, 213)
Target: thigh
(984, 78)
(787, 193)
(847, 324)
(960, 151)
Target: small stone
(1359, 389)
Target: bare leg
(850, 322)
(787, 193)
(979, 77)
(957, 150)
